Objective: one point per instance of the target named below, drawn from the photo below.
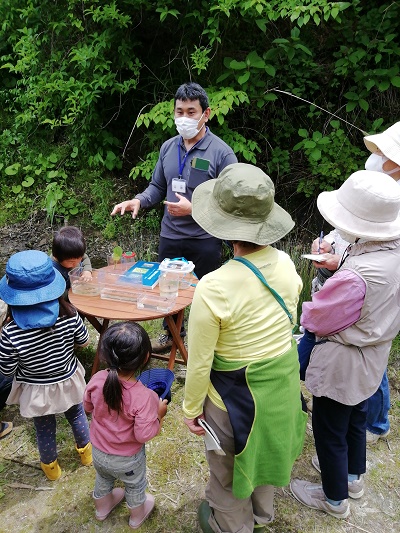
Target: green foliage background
(86, 93)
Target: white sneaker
(312, 495)
(355, 488)
(372, 438)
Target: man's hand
(193, 426)
(181, 208)
(128, 205)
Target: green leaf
(316, 154)
(269, 69)
(304, 48)
(351, 96)
(395, 81)
(350, 106)
(303, 133)
(363, 104)
(369, 84)
(237, 65)
(12, 169)
(261, 23)
(16, 189)
(243, 78)
(270, 97)
(117, 251)
(28, 182)
(309, 144)
(383, 85)
(254, 60)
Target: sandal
(5, 429)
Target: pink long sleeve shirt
(123, 434)
(336, 306)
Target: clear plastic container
(82, 286)
(123, 294)
(155, 302)
(179, 267)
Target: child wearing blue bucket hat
(125, 415)
(37, 348)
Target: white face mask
(187, 127)
(375, 162)
(348, 237)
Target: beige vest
(349, 367)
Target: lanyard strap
(181, 163)
(260, 276)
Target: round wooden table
(95, 308)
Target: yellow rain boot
(52, 470)
(85, 454)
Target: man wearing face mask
(186, 160)
(385, 158)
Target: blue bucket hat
(159, 380)
(32, 286)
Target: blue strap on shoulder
(260, 276)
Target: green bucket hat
(239, 206)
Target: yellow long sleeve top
(235, 316)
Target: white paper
(319, 258)
(210, 438)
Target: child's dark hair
(124, 346)
(68, 243)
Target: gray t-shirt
(213, 152)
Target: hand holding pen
(321, 246)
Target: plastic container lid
(178, 265)
(128, 255)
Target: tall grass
(304, 267)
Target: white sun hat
(387, 142)
(366, 205)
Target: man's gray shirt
(210, 148)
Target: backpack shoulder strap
(260, 276)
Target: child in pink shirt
(125, 415)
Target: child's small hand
(162, 408)
(86, 275)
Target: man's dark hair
(192, 91)
(68, 243)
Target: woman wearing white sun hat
(356, 314)
(385, 158)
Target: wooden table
(95, 308)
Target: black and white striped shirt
(42, 356)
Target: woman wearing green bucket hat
(243, 372)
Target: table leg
(177, 341)
(96, 360)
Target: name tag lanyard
(181, 163)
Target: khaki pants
(231, 515)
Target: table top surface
(123, 310)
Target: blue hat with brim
(159, 380)
(42, 315)
(31, 279)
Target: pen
(321, 238)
